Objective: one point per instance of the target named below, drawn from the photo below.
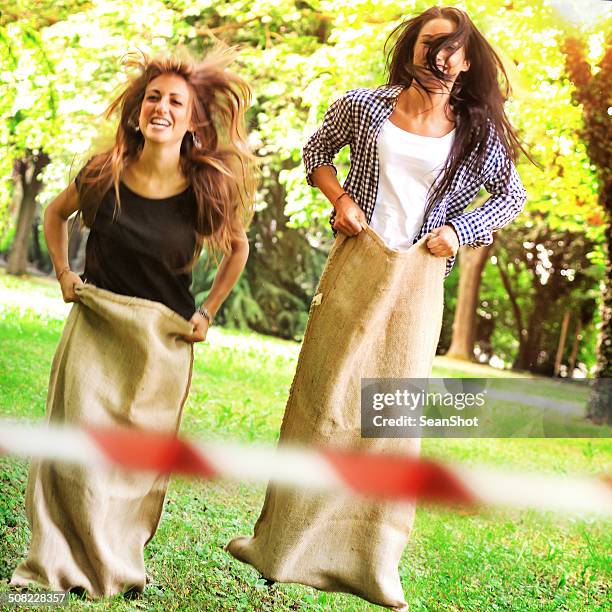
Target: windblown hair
(221, 170)
(476, 98)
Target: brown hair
(476, 98)
(221, 170)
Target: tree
(29, 169)
(544, 272)
(472, 262)
(593, 90)
(562, 188)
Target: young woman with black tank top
(177, 178)
(167, 187)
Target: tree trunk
(521, 332)
(530, 346)
(562, 338)
(75, 237)
(574, 354)
(599, 409)
(471, 262)
(36, 254)
(29, 169)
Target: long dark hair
(476, 98)
(220, 168)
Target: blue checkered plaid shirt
(356, 119)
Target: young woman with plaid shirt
(421, 148)
(443, 104)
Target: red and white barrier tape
(381, 476)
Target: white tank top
(408, 166)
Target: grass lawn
(494, 560)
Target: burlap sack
(120, 362)
(377, 313)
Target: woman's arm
(475, 228)
(335, 132)
(56, 235)
(227, 275)
(350, 219)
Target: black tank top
(141, 250)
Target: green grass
(456, 560)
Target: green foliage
(548, 273)
(7, 239)
(240, 310)
(60, 68)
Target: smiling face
(451, 60)
(165, 113)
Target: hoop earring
(197, 143)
